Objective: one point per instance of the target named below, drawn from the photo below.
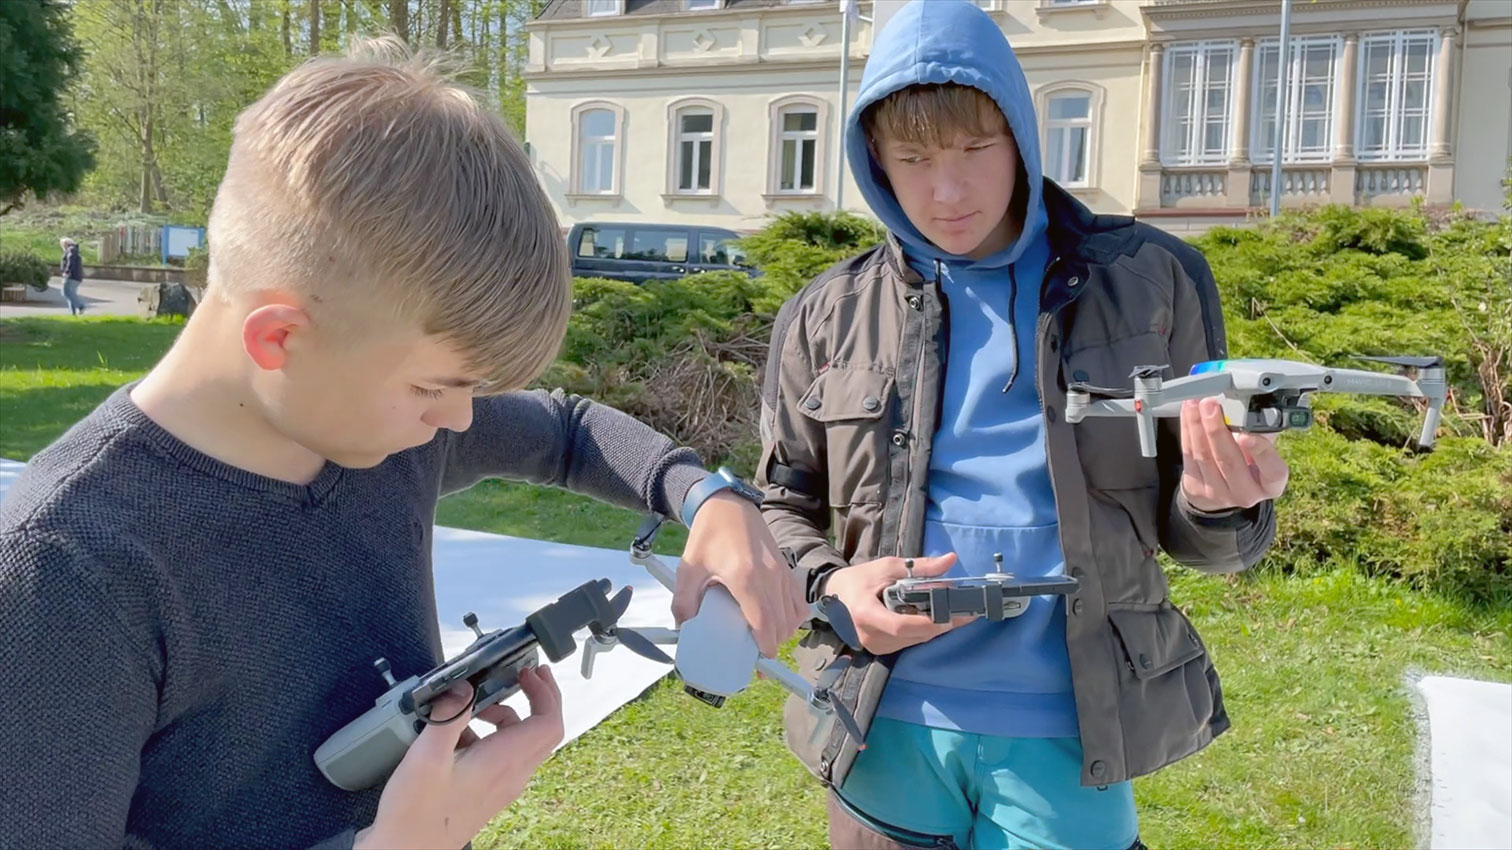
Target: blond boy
(194, 580)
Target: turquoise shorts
(986, 791)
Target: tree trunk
(349, 10)
(287, 43)
(314, 27)
(441, 23)
(399, 18)
(144, 200)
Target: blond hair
(386, 194)
(934, 114)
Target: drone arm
(1373, 383)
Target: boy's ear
(267, 330)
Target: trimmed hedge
(21, 267)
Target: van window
(607, 243)
(655, 244)
(718, 250)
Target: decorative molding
(1046, 9)
(813, 36)
(1168, 10)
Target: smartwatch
(724, 479)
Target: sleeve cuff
(675, 484)
(1229, 518)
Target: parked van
(642, 252)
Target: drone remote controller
(364, 752)
(996, 596)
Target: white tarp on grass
(1470, 747)
(502, 579)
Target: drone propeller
(1429, 362)
(640, 645)
(839, 618)
(631, 639)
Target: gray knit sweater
(178, 635)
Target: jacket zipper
(1039, 338)
(905, 521)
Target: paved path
(101, 297)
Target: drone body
(1258, 396)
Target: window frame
(1391, 149)
(1263, 108)
(616, 181)
(675, 110)
(1092, 122)
(1201, 51)
(776, 110)
(618, 9)
(712, 5)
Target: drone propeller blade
(834, 611)
(621, 602)
(1429, 362)
(843, 715)
(641, 645)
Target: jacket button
(899, 438)
(915, 301)
(1077, 572)
(1073, 281)
(1099, 770)
(812, 404)
(1079, 375)
(1050, 415)
(1076, 606)
(1054, 344)
(871, 403)
(1144, 661)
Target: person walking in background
(72, 269)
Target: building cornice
(1175, 10)
(775, 64)
(713, 17)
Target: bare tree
(399, 17)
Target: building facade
(728, 111)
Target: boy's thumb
(450, 714)
(935, 566)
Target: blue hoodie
(989, 485)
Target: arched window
(695, 146)
(799, 125)
(597, 129)
(1068, 118)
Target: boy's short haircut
(390, 197)
(934, 115)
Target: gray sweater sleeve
(80, 701)
(570, 442)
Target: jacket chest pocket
(1109, 446)
(854, 405)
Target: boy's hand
(730, 543)
(1222, 470)
(450, 785)
(881, 630)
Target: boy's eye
(911, 160)
(426, 393)
(982, 146)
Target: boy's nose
(950, 187)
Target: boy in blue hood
(924, 418)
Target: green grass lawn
(1322, 753)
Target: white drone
(1258, 396)
(717, 655)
